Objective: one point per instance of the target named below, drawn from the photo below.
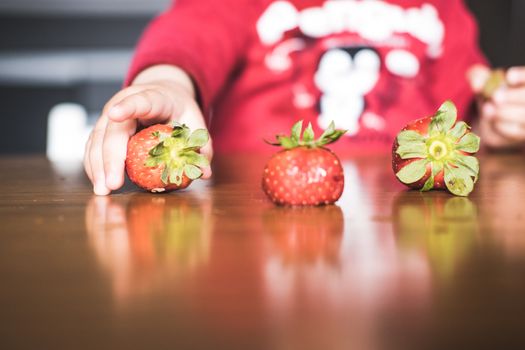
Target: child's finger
(96, 158)
(511, 131)
(516, 76)
(477, 77)
(510, 95)
(510, 113)
(87, 163)
(114, 151)
(119, 96)
(151, 105)
(207, 151)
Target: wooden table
(219, 267)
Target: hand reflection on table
(501, 207)
(148, 241)
(440, 227)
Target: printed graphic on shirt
(344, 76)
(354, 41)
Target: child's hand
(502, 115)
(140, 104)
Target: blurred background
(77, 52)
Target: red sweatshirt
(369, 65)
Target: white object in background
(66, 132)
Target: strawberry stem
(438, 150)
(298, 138)
(179, 153)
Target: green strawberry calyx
(495, 81)
(306, 138)
(178, 152)
(448, 146)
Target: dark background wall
(502, 26)
(23, 102)
(71, 25)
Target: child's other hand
(144, 103)
(502, 116)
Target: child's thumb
(477, 77)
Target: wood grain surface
(217, 266)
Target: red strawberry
(305, 172)
(166, 157)
(437, 153)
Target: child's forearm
(168, 74)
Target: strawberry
(166, 157)
(436, 152)
(305, 172)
